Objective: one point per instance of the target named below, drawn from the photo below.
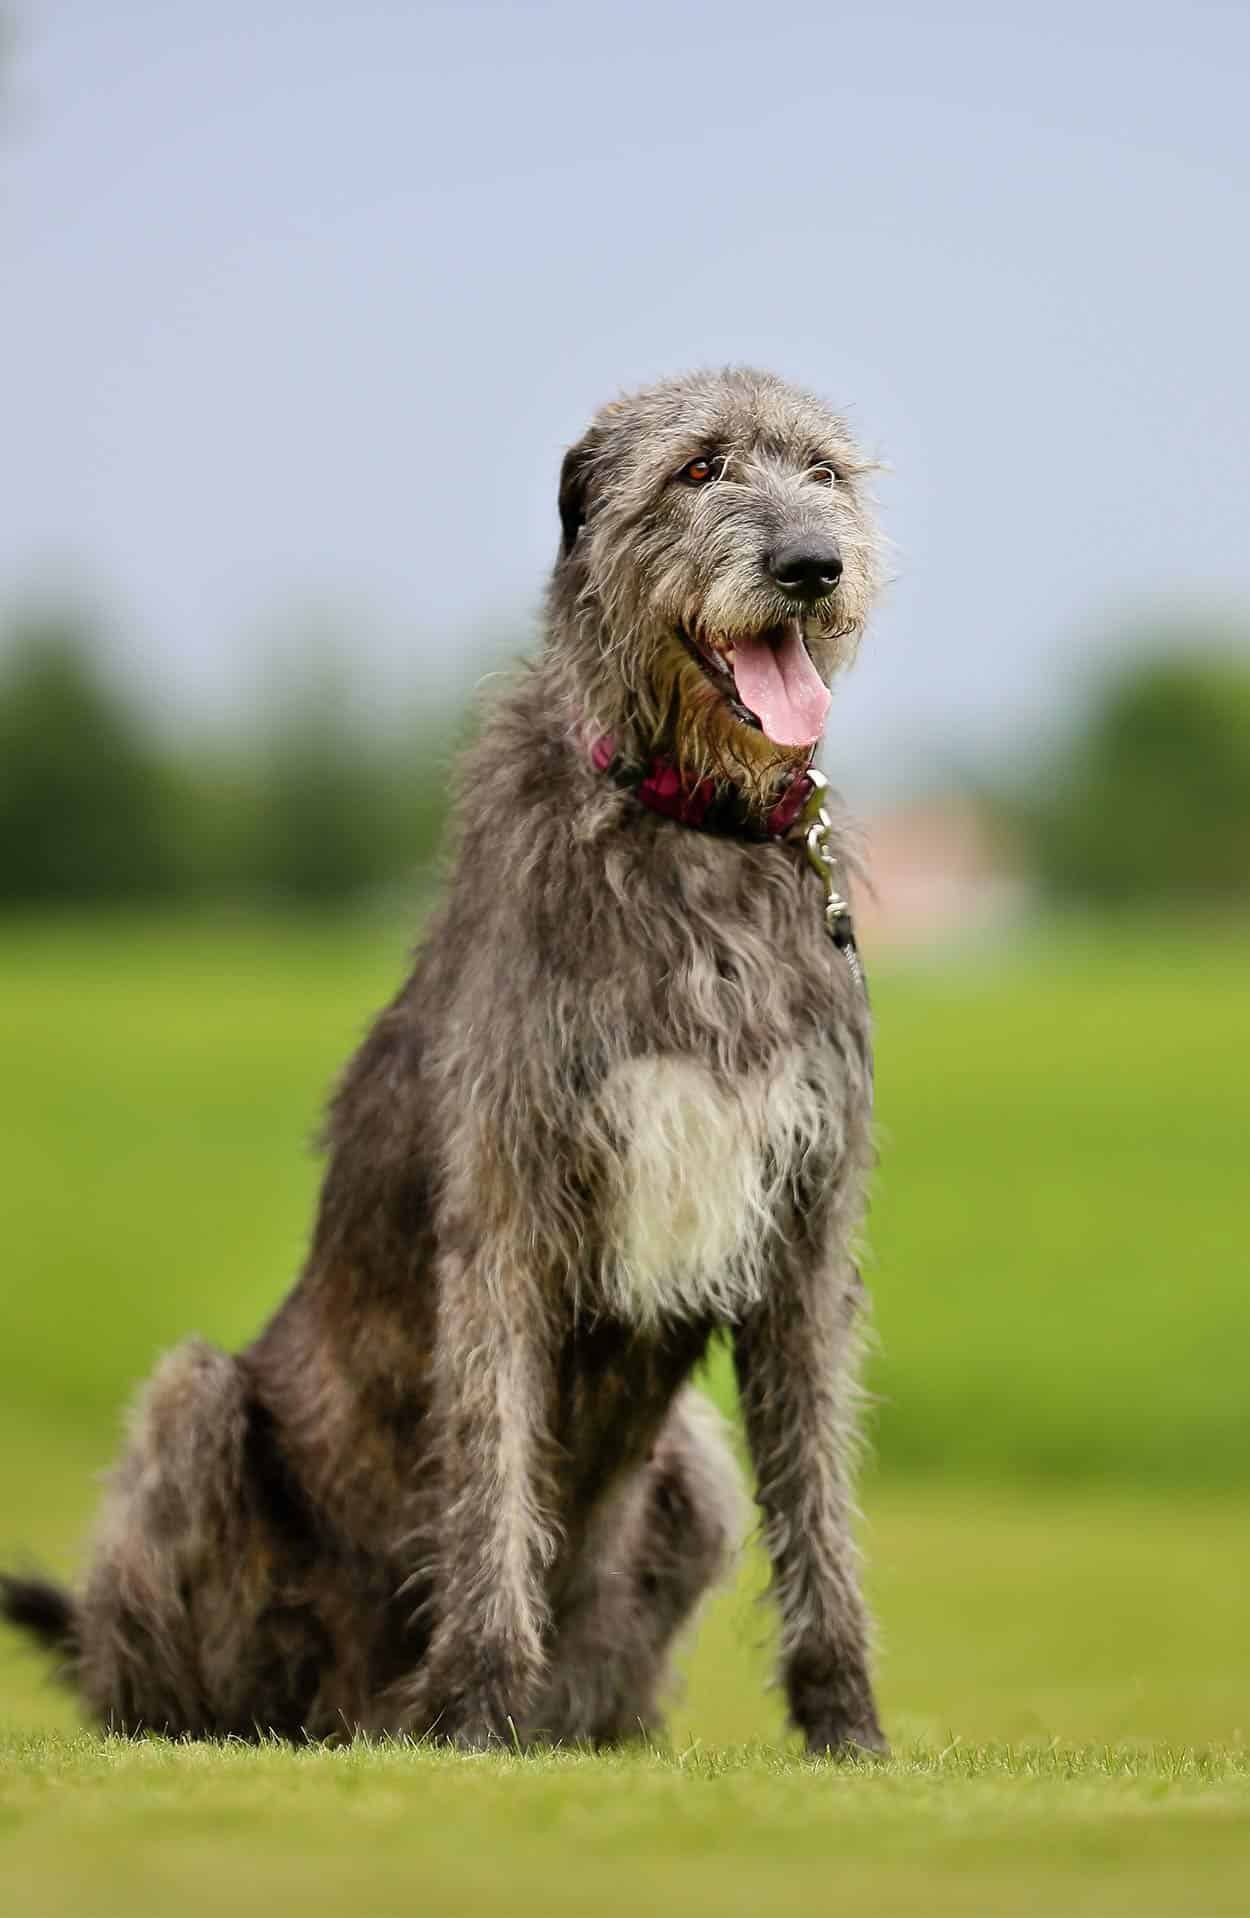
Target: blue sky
(300, 305)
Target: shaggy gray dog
(461, 1483)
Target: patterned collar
(662, 788)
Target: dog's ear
(575, 475)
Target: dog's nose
(806, 568)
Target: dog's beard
(702, 726)
(646, 689)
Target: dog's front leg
(795, 1358)
(494, 1528)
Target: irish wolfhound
(461, 1483)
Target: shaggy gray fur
(461, 1482)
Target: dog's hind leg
(168, 1532)
(655, 1553)
(192, 1621)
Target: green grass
(1055, 1527)
(158, 1830)
(1059, 1223)
(1064, 1676)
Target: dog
(461, 1485)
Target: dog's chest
(700, 1172)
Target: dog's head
(718, 561)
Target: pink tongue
(779, 684)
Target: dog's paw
(474, 1705)
(479, 1731)
(839, 1741)
(831, 1703)
(468, 1720)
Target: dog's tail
(46, 1611)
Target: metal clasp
(817, 826)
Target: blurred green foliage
(86, 800)
(1151, 796)
(311, 806)
(309, 801)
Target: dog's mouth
(767, 679)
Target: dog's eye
(824, 473)
(698, 472)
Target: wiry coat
(461, 1483)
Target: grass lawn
(1064, 1675)
(1056, 1530)
(1073, 1832)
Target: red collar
(663, 789)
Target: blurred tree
(86, 800)
(341, 804)
(318, 834)
(1153, 797)
(321, 801)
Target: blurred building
(938, 871)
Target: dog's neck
(708, 806)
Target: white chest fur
(700, 1169)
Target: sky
(300, 305)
